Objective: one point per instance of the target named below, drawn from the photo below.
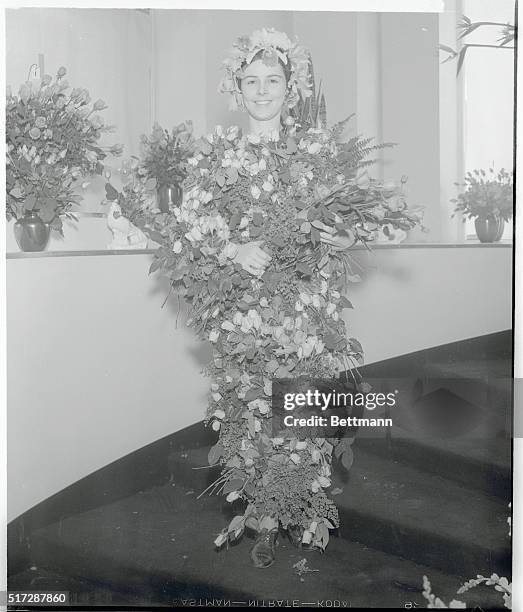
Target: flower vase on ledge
(169, 195)
(490, 228)
(31, 233)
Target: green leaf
(253, 393)
(236, 523)
(110, 192)
(215, 453)
(29, 202)
(303, 268)
(343, 302)
(235, 484)
(276, 240)
(291, 145)
(155, 265)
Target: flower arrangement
(285, 322)
(52, 142)
(502, 585)
(164, 153)
(486, 196)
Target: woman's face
(263, 88)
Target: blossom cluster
(275, 46)
(52, 143)
(285, 322)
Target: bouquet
(284, 323)
(164, 153)
(486, 195)
(52, 139)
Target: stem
(489, 46)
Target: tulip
(220, 540)
(24, 92)
(233, 495)
(99, 105)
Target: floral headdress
(275, 46)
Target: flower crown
(275, 46)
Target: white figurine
(395, 235)
(125, 234)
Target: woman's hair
(285, 67)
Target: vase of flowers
(487, 198)
(52, 143)
(164, 156)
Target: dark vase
(489, 229)
(169, 195)
(31, 233)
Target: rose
(97, 122)
(34, 133)
(40, 122)
(91, 156)
(314, 147)
(61, 72)
(24, 92)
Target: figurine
(125, 234)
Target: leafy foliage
(283, 323)
(466, 27)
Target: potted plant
(487, 198)
(52, 139)
(163, 156)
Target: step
(480, 463)
(405, 511)
(156, 546)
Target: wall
(96, 369)
(105, 51)
(164, 65)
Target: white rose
(314, 147)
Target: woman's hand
(338, 242)
(252, 257)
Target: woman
(265, 89)
(258, 247)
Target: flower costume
(285, 322)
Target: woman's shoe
(262, 553)
(295, 533)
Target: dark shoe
(295, 533)
(262, 553)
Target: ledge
(409, 245)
